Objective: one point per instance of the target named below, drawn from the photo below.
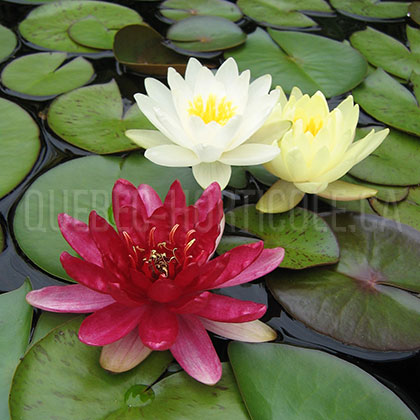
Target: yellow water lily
(206, 119)
(316, 151)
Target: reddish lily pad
(364, 300)
(307, 239)
(140, 48)
(7, 42)
(305, 384)
(52, 379)
(372, 8)
(77, 187)
(205, 33)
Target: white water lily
(205, 120)
(316, 151)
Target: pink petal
(267, 261)
(164, 290)
(209, 199)
(175, 198)
(190, 304)
(158, 328)
(252, 331)
(150, 198)
(125, 193)
(124, 354)
(227, 309)
(194, 351)
(77, 234)
(74, 298)
(109, 324)
(86, 273)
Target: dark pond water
(398, 371)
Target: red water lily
(147, 284)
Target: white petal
(345, 191)
(311, 187)
(270, 133)
(250, 154)
(206, 173)
(147, 138)
(193, 67)
(227, 72)
(172, 155)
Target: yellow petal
(344, 191)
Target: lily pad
(140, 48)
(362, 300)
(47, 76)
(372, 8)
(386, 100)
(306, 384)
(205, 33)
(93, 119)
(307, 239)
(283, 13)
(7, 42)
(384, 165)
(311, 62)
(47, 26)
(386, 52)
(47, 321)
(182, 9)
(19, 142)
(15, 327)
(77, 187)
(414, 11)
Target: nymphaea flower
(148, 283)
(205, 120)
(316, 151)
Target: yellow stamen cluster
(312, 124)
(220, 111)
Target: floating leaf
(414, 11)
(386, 52)
(205, 33)
(385, 99)
(182, 9)
(304, 384)
(283, 13)
(47, 26)
(47, 76)
(362, 300)
(7, 42)
(15, 326)
(140, 48)
(307, 239)
(308, 61)
(77, 187)
(92, 118)
(384, 165)
(262, 175)
(372, 8)
(47, 321)
(19, 142)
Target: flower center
(312, 124)
(220, 111)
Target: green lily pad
(407, 211)
(182, 9)
(19, 144)
(386, 100)
(15, 327)
(76, 187)
(47, 76)
(77, 387)
(7, 42)
(306, 384)
(140, 48)
(92, 118)
(307, 239)
(372, 8)
(414, 11)
(289, 57)
(262, 175)
(47, 26)
(205, 33)
(283, 13)
(362, 300)
(384, 165)
(386, 52)
(47, 321)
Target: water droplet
(138, 395)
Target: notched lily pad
(48, 75)
(205, 33)
(364, 300)
(311, 62)
(375, 9)
(48, 26)
(7, 42)
(92, 118)
(307, 239)
(140, 48)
